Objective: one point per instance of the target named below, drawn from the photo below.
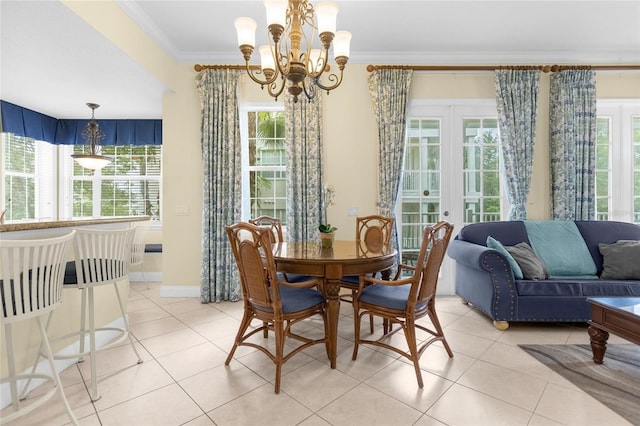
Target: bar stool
(138, 247)
(102, 257)
(31, 277)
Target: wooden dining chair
(404, 301)
(372, 233)
(275, 225)
(278, 304)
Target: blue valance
(25, 122)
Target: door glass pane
(481, 162)
(420, 184)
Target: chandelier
(290, 56)
(93, 160)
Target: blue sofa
(485, 278)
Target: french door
(451, 172)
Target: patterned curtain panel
(572, 122)
(517, 101)
(222, 195)
(303, 127)
(389, 91)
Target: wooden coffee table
(617, 315)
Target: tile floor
(183, 380)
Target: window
(28, 178)
(264, 163)
(129, 186)
(618, 143)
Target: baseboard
(155, 277)
(102, 339)
(179, 291)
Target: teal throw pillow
(497, 245)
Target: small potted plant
(326, 231)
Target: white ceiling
(54, 62)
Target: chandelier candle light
(292, 58)
(93, 160)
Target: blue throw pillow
(497, 245)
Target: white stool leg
(54, 372)
(13, 385)
(92, 348)
(83, 323)
(126, 323)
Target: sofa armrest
(485, 279)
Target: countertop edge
(28, 226)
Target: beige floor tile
(156, 327)
(140, 305)
(199, 316)
(515, 388)
(217, 386)
(314, 420)
(203, 420)
(130, 382)
(368, 363)
(364, 405)
(114, 359)
(516, 359)
(188, 305)
(145, 315)
(575, 408)
(476, 325)
(315, 384)
(398, 380)
(535, 334)
(169, 405)
(193, 360)
(213, 330)
(261, 407)
(463, 406)
(53, 411)
(466, 344)
(172, 342)
(428, 421)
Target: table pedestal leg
(598, 343)
(333, 311)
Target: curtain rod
(543, 68)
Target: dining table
(331, 264)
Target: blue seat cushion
(70, 276)
(578, 287)
(299, 299)
(392, 297)
(153, 248)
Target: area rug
(614, 382)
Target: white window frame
(620, 113)
(66, 186)
(44, 181)
(245, 109)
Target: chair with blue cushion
(403, 301)
(372, 233)
(278, 304)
